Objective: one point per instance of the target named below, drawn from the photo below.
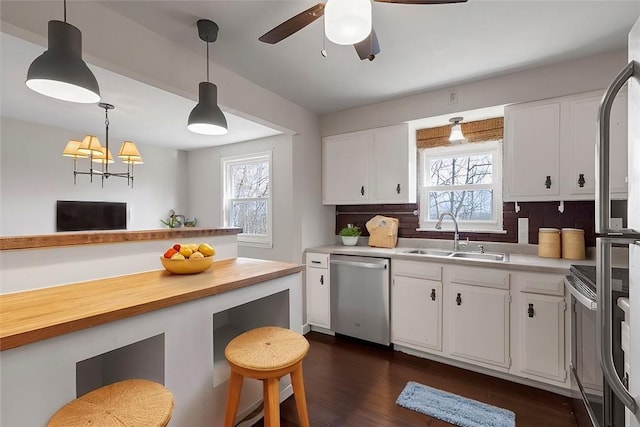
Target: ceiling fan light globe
(347, 21)
(60, 71)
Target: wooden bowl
(186, 266)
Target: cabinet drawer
(420, 270)
(478, 277)
(546, 284)
(317, 260)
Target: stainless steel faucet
(456, 236)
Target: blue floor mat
(452, 408)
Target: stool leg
(271, 390)
(299, 394)
(233, 398)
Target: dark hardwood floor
(349, 383)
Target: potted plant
(350, 235)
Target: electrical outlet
(523, 230)
(453, 97)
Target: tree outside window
(464, 180)
(247, 197)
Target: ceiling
(142, 113)
(423, 48)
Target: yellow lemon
(177, 255)
(196, 255)
(186, 251)
(206, 249)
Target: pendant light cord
(207, 60)
(65, 10)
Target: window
(465, 180)
(247, 197)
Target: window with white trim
(466, 180)
(247, 197)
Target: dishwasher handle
(374, 265)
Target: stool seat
(130, 403)
(267, 354)
(266, 349)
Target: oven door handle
(579, 296)
(603, 316)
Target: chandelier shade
(60, 71)
(102, 159)
(347, 21)
(71, 150)
(90, 145)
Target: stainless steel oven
(596, 405)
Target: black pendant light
(206, 117)
(60, 71)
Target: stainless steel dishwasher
(360, 297)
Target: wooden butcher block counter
(30, 316)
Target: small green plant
(350, 231)
(174, 221)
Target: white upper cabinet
(345, 171)
(550, 148)
(371, 166)
(583, 113)
(531, 146)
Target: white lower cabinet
(542, 321)
(416, 312)
(512, 322)
(479, 323)
(542, 336)
(318, 290)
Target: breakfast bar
(60, 341)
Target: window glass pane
(250, 215)
(474, 205)
(249, 180)
(461, 170)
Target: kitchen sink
(480, 255)
(466, 255)
(432, 252)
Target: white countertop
(516, 261)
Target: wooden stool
(267, 354)
(138, 403)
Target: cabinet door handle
(459, 299)
(362, 190)
(581, 180)
(547, 182)
(398, 188)
(433, 294)
(322, 279)
(530, 310)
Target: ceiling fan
(346, 22)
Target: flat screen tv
(82, 216)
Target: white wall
(206, 196)
(138, 53)
(34, 174)
(566, 78)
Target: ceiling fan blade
(421, 1)
(293, 25)
(369, 47)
